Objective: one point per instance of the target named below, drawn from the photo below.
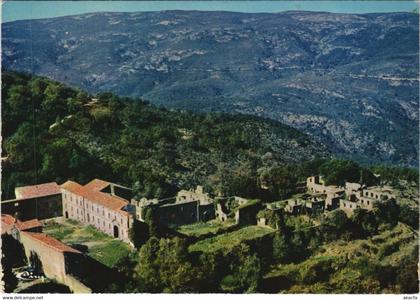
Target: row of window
(79, 202)
(372, 195)
(79, 213)
(367, 202)
(79, 216)
(350, 205)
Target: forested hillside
(54, 132)
(351, 80)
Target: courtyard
(205, 228)
(228, 241)
(98, 245)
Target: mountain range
(349, 80)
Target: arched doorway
(66, 215)
(116, 232)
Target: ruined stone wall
(178, 213)
(34, 208)
(375, 194)
(331, 202)
(247, 215)
(317, 205)
(367, 203)
(348, 206)
(313, 185)
(207, 212)
(220, 212)
(191, 195)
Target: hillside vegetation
(53, 132)
(383, 263)
(351, 80)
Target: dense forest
(54, 133)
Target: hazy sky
(18, 10)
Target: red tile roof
(104, 199)
(26, 225)
(50, 242)
(39, 190)
(20, 225)
(7, 219)
(97, 185)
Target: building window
(367, 202)
(344, 204)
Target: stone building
(314, 204)
(188, 206)
(332, 201)
(205, 205)
(349, 198)
(197, 194)
(40, 201)
(294, 206)
(310, 204)
(366, 202)
(246, 213)
(358, 196)
(243, 211)
(97, 204)
(349, 206)
(379, 193)
(179, 213)
(352, 188)
(314, 186)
